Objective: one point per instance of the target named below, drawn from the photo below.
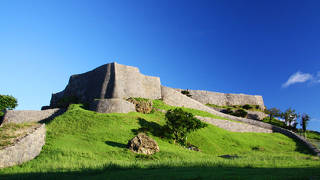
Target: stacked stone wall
(174, 98)
(225, 99)
(21, 116)
(27, 148)
(114, 105)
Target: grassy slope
(87, 144)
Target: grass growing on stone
(82, 144)
(11, 131)
(236, 107)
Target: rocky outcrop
(25, 149)
(143, 144)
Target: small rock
(143, 144)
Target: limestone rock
(143, 144)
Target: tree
(290, 117)
(273, 112)
(7, 102)
(180, 123)
(304, 122)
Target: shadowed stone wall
(114, 105)
(224, 99)
(27, 148)
(110, 81)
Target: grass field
(82, 144)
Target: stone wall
(27, 148)
(174, 98)
(110, 81)
(114, 105)
(21, 116)
(224, 99)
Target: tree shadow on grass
(116, 144)
(149, 127)
(113, 171)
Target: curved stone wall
(224, 99)
(25, 149)
(21, 116)
(174, 98)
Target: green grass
(158, 104)
(89, 145)
(235, 107)
(275, 122)
(10, 132)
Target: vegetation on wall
(143, 105)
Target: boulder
(143, 144)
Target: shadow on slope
(167, 172)
(147, 126)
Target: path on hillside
(234, 126)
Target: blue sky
(270, 48)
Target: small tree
(290, 117)
(273, 112)
(180, 123)
(7, 102)
(304, 122)
(186, 92)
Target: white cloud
(299, 77)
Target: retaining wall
(114, 105)
(174, 98)
(21, 116)
(27, 148)
(224, 99)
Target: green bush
(247, 106)
(186, 92)
(7, 102)
(240, 113)
(227, 111)
(180, 123)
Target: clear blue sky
(270, 48)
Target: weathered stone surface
(234, 126)
(25, 149)
(112, 105)
(224, 99)
(256, 115)
(143, 144)
(110, 81)
(22, 116)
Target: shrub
(186, 92)
(247, 106)
(180, 123)
(227, 111)
(240, 113)
(142, 105)
(7, 102)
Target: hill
(90, 145)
